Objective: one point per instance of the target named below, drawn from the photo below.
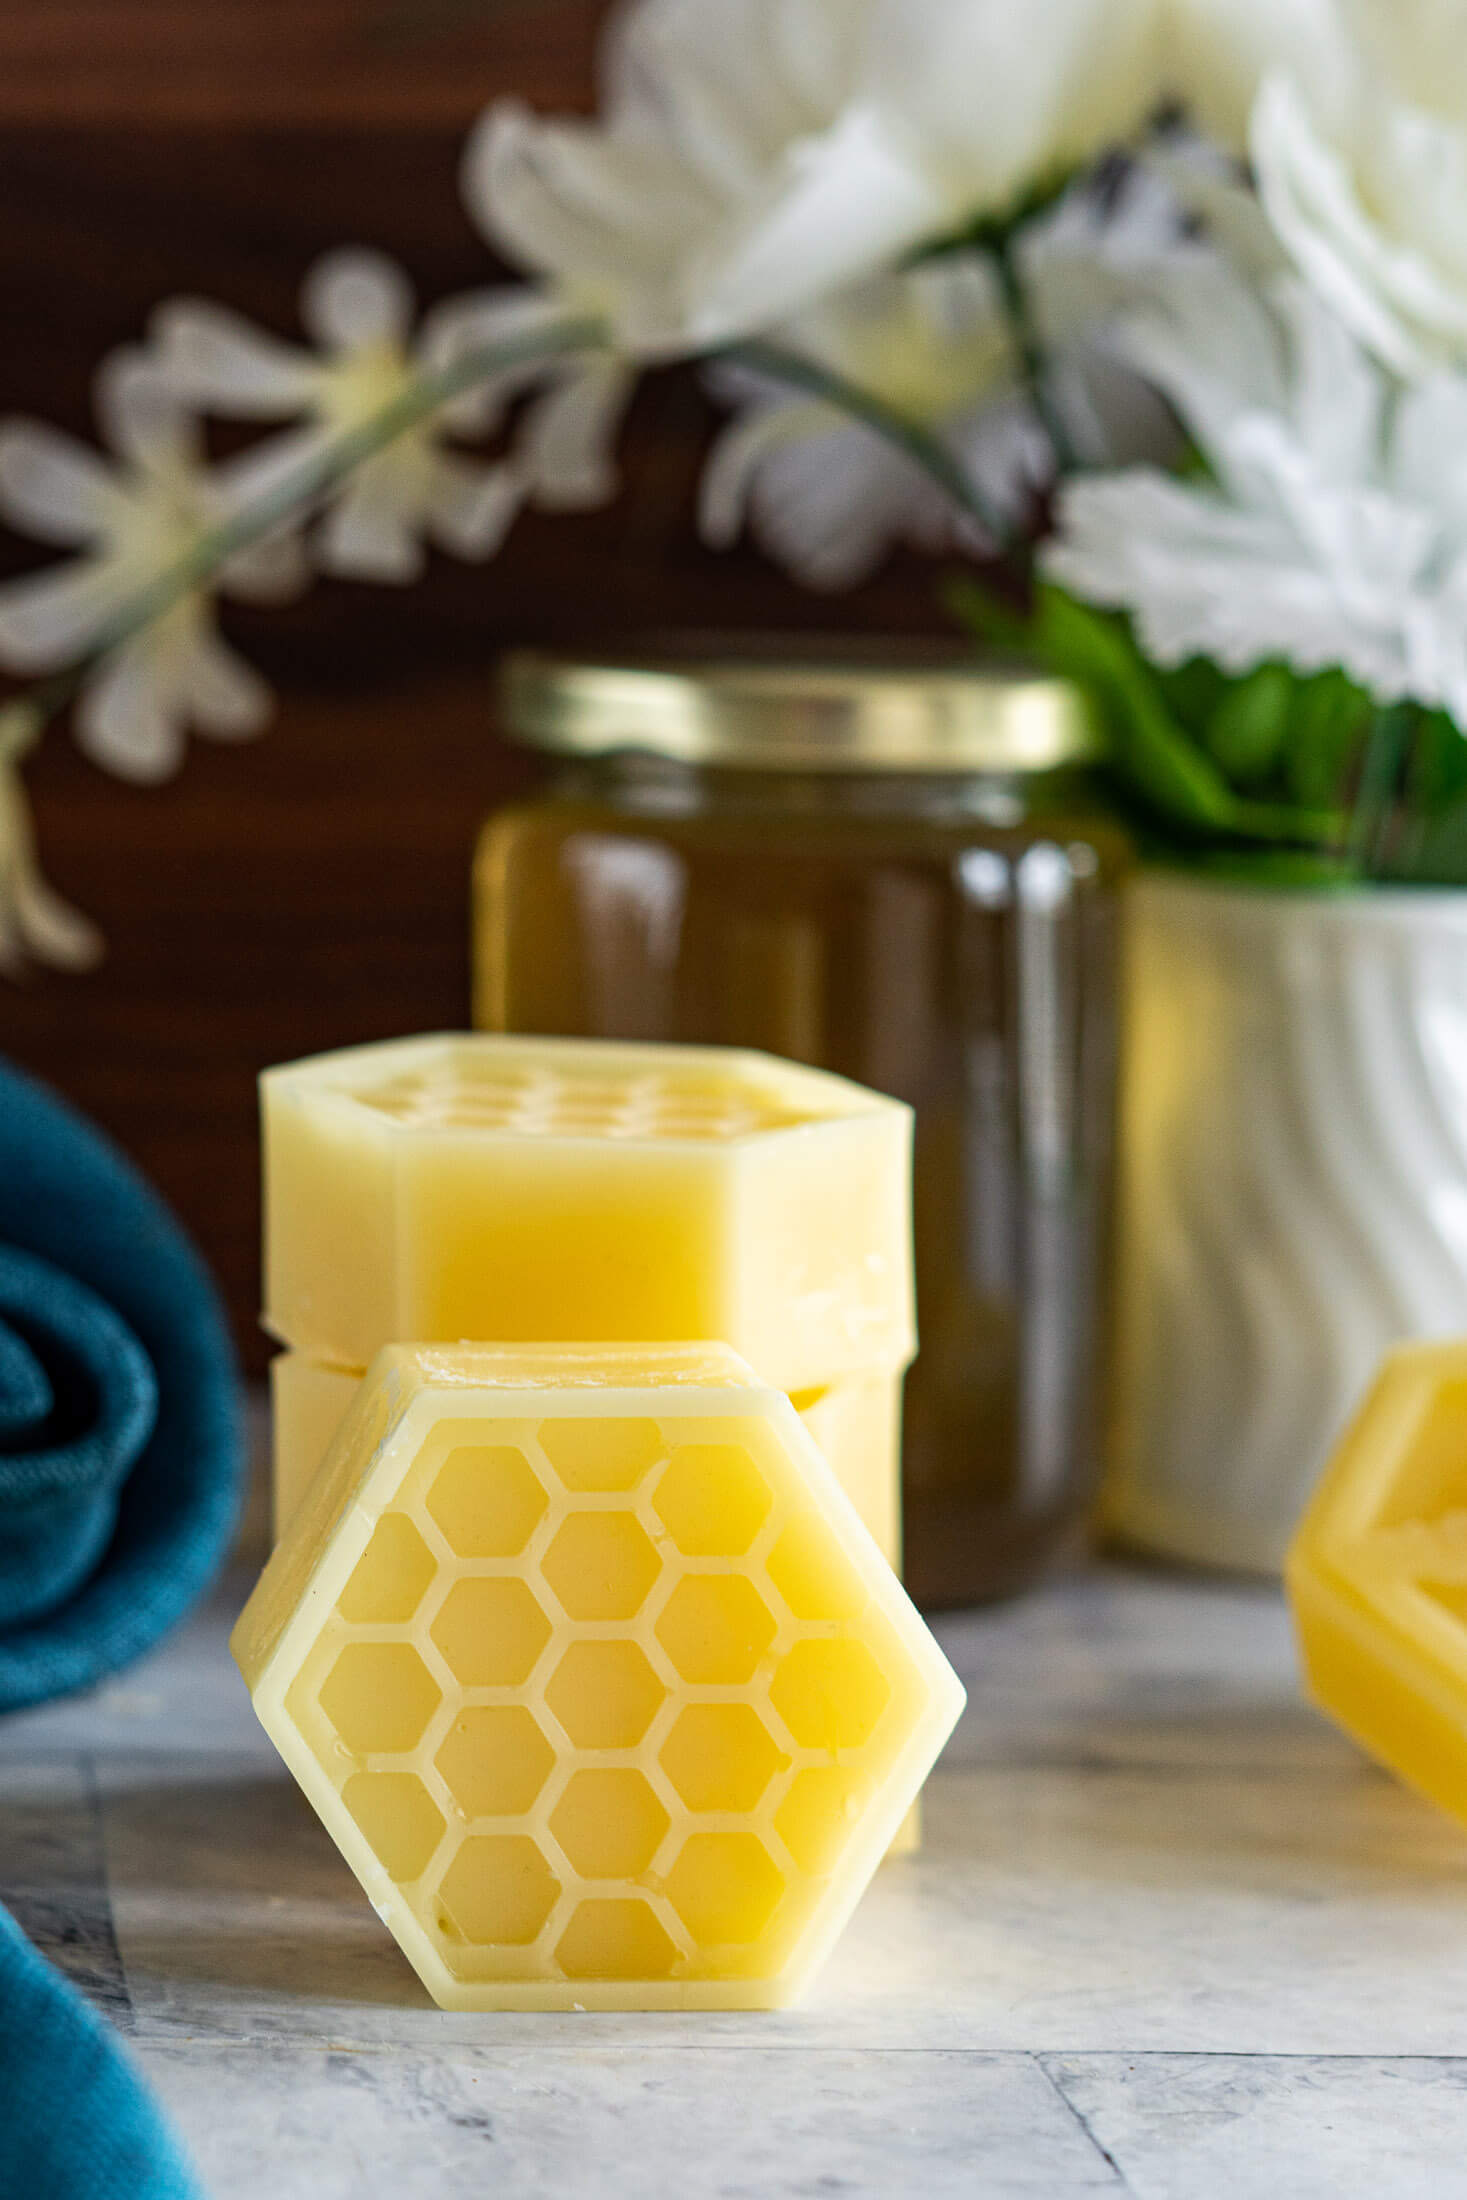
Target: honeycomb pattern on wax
(607, 1698)
(462, 1091)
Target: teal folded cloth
(121, 1446)
(76, 2123)
(121, 1474)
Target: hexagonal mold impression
(494, 1760)
(486, 1499)
(585, 1733)
(712, 1500)
(1377, 1574)
(721, 1756)
(716, 1628)
(601, 1565)
(605, 1694)
(609, 1823)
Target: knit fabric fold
(121, 1474)
(121, 1450)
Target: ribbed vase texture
(1293, 1191)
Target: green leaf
(1193, 691)
(1247, 727)
(1168, 773)
(1327, 725)
(1162, 765)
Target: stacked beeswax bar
(522, 1190)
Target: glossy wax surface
(594, 1676)
(1377, 1574)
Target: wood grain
(262, 64)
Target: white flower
(1361, 156)
(1334, 529)
(1219, 52)
(755, 156)
(828, 496)
(134, 521)
(358, 308)
(34, 921)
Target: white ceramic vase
(1293, 1194)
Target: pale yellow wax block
(1377, 1574)
(594, 1676)
(472, 1186)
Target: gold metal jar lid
(772, 709)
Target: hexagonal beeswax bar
(1377, 1574)
(594, 1676)
(528, 1188)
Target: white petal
(477, 324)
(798, 241)
(224, 697)
(368, 536)
(1212, 191)
(1429, 449)
(1202, 578)
(610, 218)
(34, 920)
(828, 507)
(1378, 283)
(740, 450)
(565, 445)
(52, 929)
(1111, 415)
(1221, 50)
(355, 297)
(53, 487)
(48, 619)
(215, 357)
(1211, 346)
(1339, 396)
(130, 717)
(473, 507)
(730, 85)
(1421, 48)
(994, 108)
(145, 419)
(274, 570)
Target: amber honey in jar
(903, 871)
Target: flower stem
(1031, 354)
(300, 492)
(800, 373)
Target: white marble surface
(1170, 1937)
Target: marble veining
(1170, 1937)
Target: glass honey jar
(902, 870)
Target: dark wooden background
(312, 889)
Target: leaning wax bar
(1377, 1574)
(594, 1676)
(515, 1188)
(856, 1422)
